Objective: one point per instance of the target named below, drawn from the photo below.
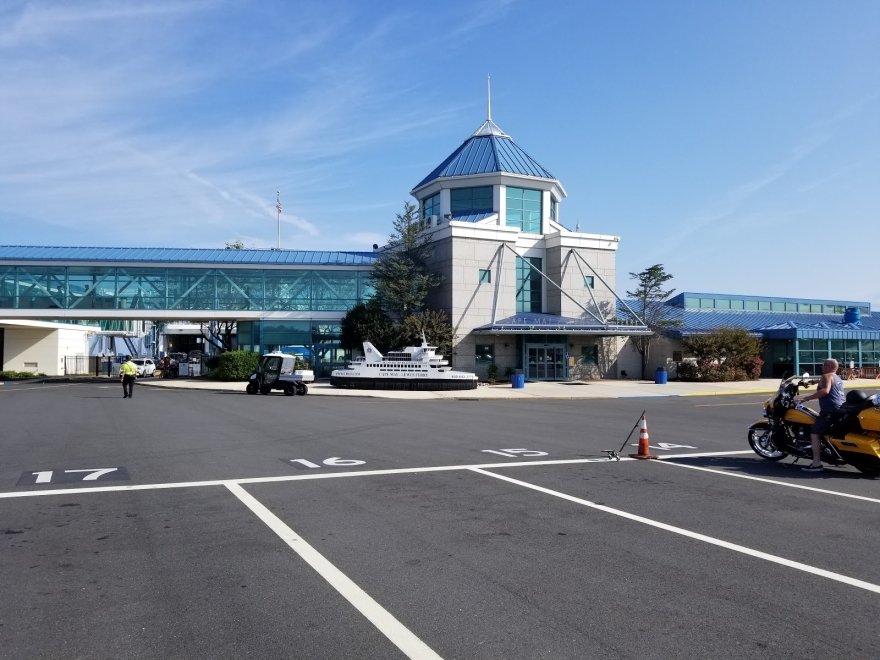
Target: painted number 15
(513, 453)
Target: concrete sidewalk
(599, 389)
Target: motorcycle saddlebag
(869, 419)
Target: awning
(550, 324)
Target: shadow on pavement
(759, 467)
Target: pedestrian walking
(128, 373)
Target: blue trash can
(660, 376)
(518, 380)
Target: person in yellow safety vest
(128, 373)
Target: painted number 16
(334, 461)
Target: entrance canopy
(550, 324)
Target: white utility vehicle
(277, 371)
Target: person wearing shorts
(830, 395)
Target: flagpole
(279, 209)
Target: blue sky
(736, 143)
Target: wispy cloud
(744, 199)
(183, 118)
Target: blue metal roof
(771, 325)
(17, 253)
(532, 322)
(487, 154)
(694, 320)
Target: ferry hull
(405, 384)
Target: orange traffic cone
(644, 441)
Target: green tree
(400, 275)
(401, 279)
(649, 296)
(238, 244)
(368, 322)
(434, 325)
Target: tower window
(431, 206)
(470, 200)
(524, 209)
(528, 284)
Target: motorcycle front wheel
(761, 442)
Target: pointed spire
(489, 127)
(488, 97)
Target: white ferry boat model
(413, 368)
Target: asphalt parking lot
(204, 524)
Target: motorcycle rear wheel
(761, 442)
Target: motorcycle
(853, 435)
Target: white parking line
(668, 461)
(395, 631)
(295, 477)
(861, 584)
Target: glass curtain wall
(861, 353)
(75, 287)
(317, 342)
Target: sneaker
(812, 468)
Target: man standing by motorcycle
(830, 395)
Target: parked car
(145, 366)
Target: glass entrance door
(545, 361)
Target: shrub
(755, 368)
(723, 355)
(492, 373)
(20, 375)
(237, 365)
(687, 371)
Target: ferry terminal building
(522, 290)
